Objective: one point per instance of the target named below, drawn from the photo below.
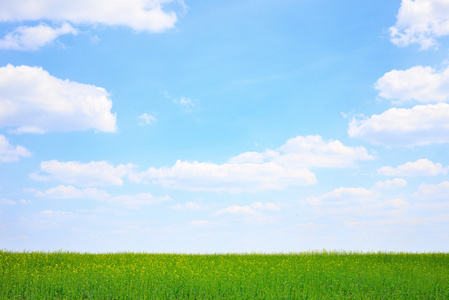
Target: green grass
(310, 275)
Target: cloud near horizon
(248, 172)
(232, 178)
(259, 171)
(135, 201)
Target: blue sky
(224, 126)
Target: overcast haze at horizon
(225, 126)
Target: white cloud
(433, 192)
(397, 203)
(93, 193)
(129, 201)
(420, 125)
(256, 172)
(234, 178)
(344, 196)
(57, 213)
(199, 223)
(189, 206)
(27, 38)
(61, 192)
(308, 151)
(33, 101)
(344, 203)
(10, 153)
(235, 209)
(440, 206)
(266, 206)
(137, 201)
(422, 84)
(421, 167)
(186, 103)
(7, 201)
(99, 173)
(398, 221)
(391, 184)
(147, 119)
(252, 209)
(70, 192)
(141, 15)
(420, 22)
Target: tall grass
(310, 275)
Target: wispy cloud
(147, 119)
(188, 206)
(233, 178)
(10, 153)
(185, 103)
(134, 201)
(433, 191)
(28, 38)
(95, 173)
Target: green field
(310, 275)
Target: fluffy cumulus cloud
(33, 101)
(421, 167)
(420, 22)
(141, 15)
(433, 191)
(306, 152)
(259, 171)
(10, 153)
(29, 38)
(96, 173)
(421, 84)
(234, 178)
(420, 125)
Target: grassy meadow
(310, 275)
